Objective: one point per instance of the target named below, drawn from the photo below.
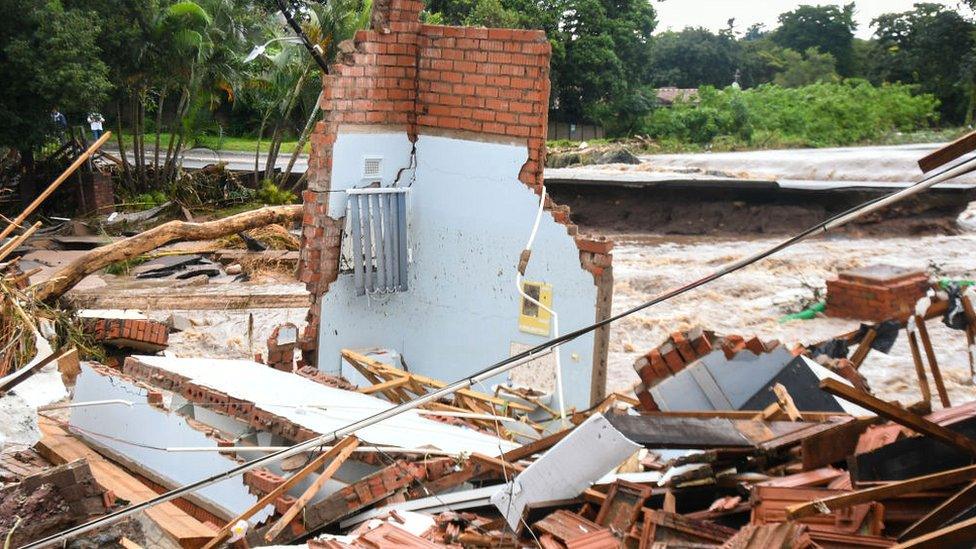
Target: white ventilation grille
(372, 167)
(376, 219)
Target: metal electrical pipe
(511, 362)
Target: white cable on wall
(555, 317)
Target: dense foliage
(821, 114)
(48, 59)
(165, 72)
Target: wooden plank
(739, 414)
(60, 447)
(269, 498)
(948, 153)
(384, 386)
(961, 501)
(898, 415)
(923, 381)
(918, 484)
(923, 335)
(864, 348)
(958, 535)
(339, 454)
(430, 382)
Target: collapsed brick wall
(50, 501)
(475, 83)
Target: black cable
(315, 52)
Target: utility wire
(503, 366)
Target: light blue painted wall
(148, 425)
(469, 218)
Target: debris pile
(728, 441)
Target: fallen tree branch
(167, 233)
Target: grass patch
(217, 143)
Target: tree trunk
(142, 138)
(279, 130)
(159, 126)
(257, 149)
(178, 117)
(302, 139)
(172, 231)
(972, 104)
(135, 143)
(180, 139)
(126, 172)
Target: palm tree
(288, 79)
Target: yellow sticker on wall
(534, 319)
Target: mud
(737, 212)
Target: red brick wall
(857, 297)
(428, 79)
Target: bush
(271, 195)
(822, 114)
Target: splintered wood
(399, 386)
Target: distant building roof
(668, 96)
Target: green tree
(810, 67)
(693, 58)
(759, 61)
(491, 13)
(828, 28)
(928, 46)
(48, 58)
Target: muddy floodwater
(751, 301)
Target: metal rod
(508, 363)
(360, 450)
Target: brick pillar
(96, 194)
(281, 347)
(876, 293)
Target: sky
(714, 14)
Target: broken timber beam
(918, 484)
(923, 335)
(9, 247)
(961, 501)
(960, 534)
(271, 496)
(900, 416)
(923, 381)
(948, 153)
(172, 231)
(340, 453)
(863, 348)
